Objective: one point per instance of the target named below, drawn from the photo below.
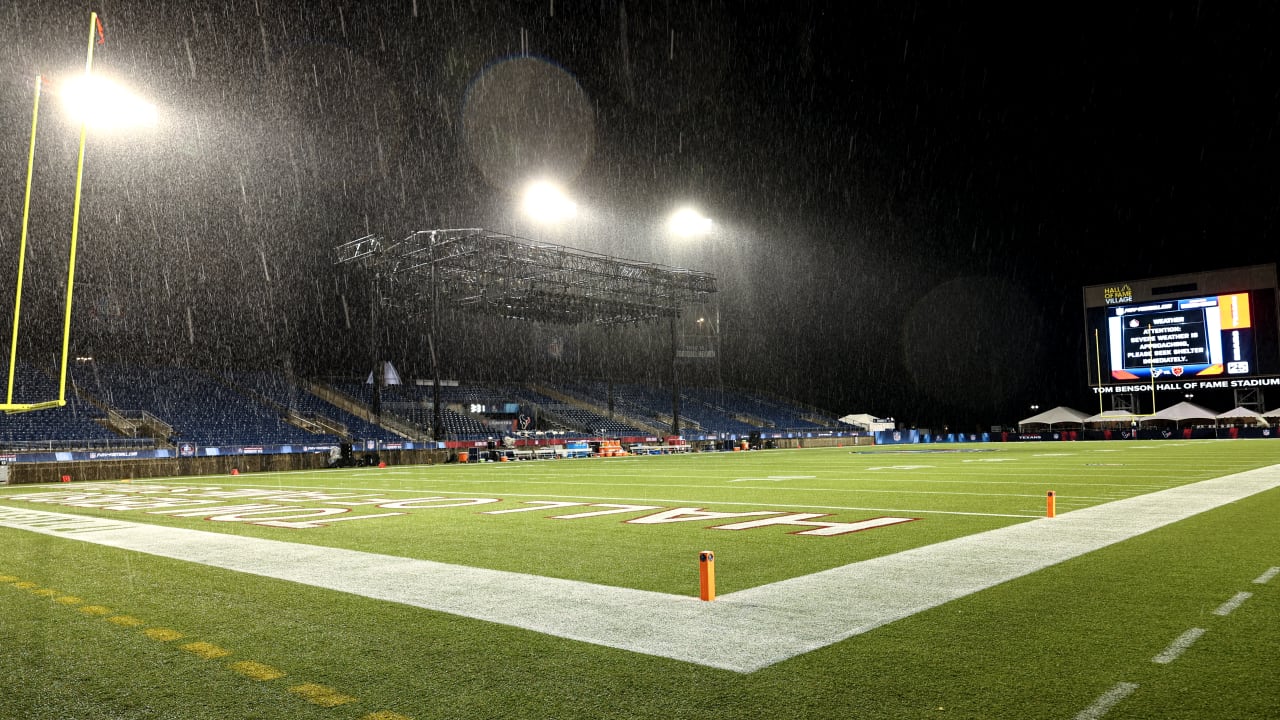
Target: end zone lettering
(209, 504)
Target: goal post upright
(9, 406)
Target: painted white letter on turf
(458, 502)
(688, 514)
(598, 513)
(537, 505)
(823, 528)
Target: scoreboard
(1207, 330)
(1183, 338)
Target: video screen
(1218, 329)
(1187, 337)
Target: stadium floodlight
(687, 222)
(103, 104)
(545, 202)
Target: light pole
(688, 223)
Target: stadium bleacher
(652, 406)
(288, 396)
(575, 417)
(200, 409)
(770, 414)
(76, 424)
(260, 407)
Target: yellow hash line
(206, 650)
(162, 634)
(321, 695)
(313, 693)
(256, 670)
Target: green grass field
(92, 631)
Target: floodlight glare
(687, 222)
(545, 202)
(102, 104)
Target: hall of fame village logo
(1115, 294)
(279, 508)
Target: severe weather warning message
(1188, 337)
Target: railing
(158, 427)
(387, 421)
(122, 423)
(313, 421)
(130, 422)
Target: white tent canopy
(1242, 413)
(387, 373)
(1056, 416)
(1182, 411)
(1272, 413)
(1112, 416)
(868, 421)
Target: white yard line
(742, 631)
(1265, 577)
(1106, 701)
(1178, 646)
(1236, 601)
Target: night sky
(907, 197)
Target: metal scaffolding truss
(490, 273)
(503, 275)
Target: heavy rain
(903, 200)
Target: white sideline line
(743, 631)
(1236, 601)
(1265, 577)
(1106, 701)
(1178, 646)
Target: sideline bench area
(654, 449)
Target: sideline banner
(78, 455)
(897, 437)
